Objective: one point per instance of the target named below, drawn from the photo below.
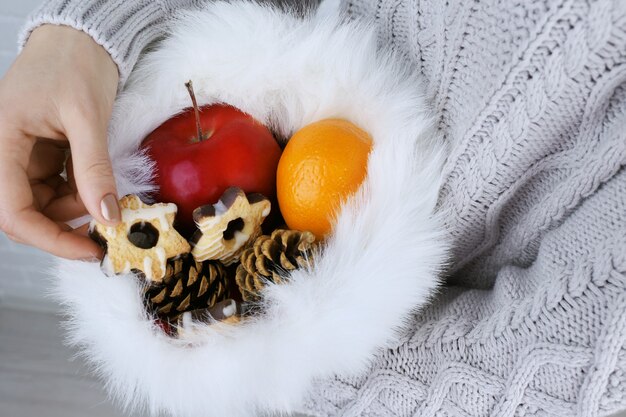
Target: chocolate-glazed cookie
(229, 226)
(142, 242)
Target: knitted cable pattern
(532, 97)
(545, 340)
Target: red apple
(201, 152)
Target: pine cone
(270, 257)
(188, 285)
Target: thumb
(93, 171)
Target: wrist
(123, 28)
(79, 43)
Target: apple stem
(189, 86)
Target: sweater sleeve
(123, 27)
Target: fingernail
(110, 208)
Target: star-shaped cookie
(142, 242)
(227, 227)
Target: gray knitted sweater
(531, 94)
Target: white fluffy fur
(380, 264)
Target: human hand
(57, 97)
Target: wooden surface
(39, 376)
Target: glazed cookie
(227, 227)
(143, 242)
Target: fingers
(57, 199)
(46, 160)
(20, 220)
(82, 231)
(61, 72)
(92, 169)
(37, 230)
(65, 208)
(15, 238)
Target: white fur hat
(380, 263)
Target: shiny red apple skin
(236, 150)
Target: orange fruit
(322, 164)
